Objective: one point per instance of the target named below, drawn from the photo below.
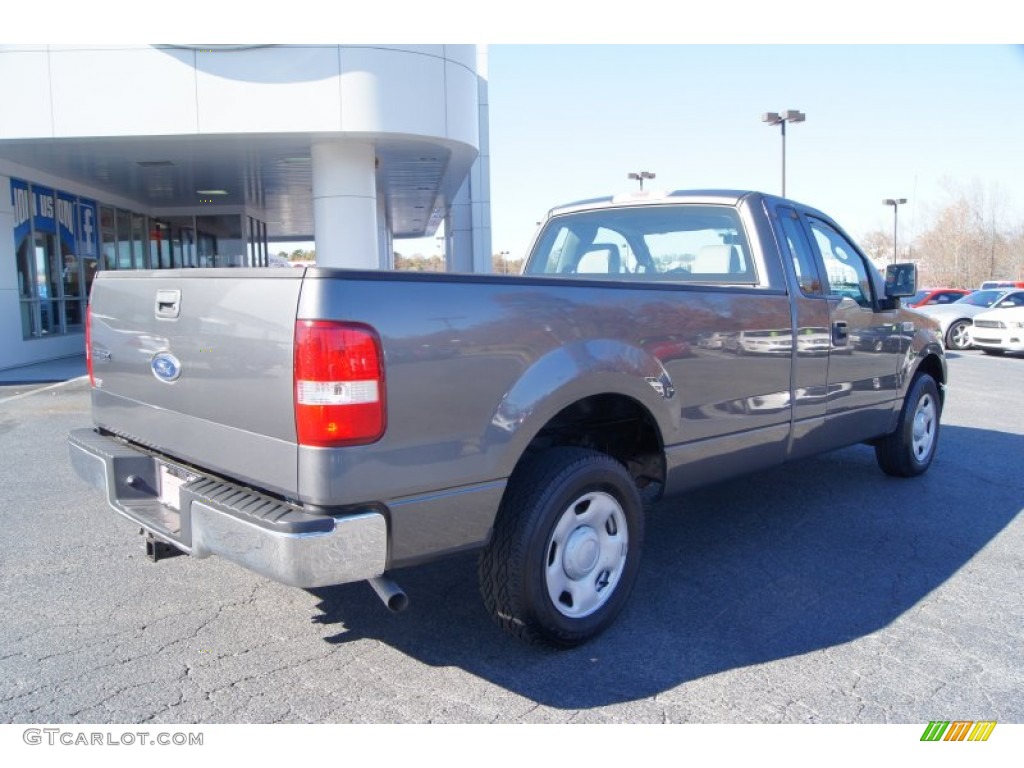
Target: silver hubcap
(959, 336)
(586, 554)
(924, 427)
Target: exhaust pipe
(390, 593)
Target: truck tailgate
(199, 364)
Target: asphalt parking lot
(821, 592)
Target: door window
(846, 274)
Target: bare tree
(966, 243)
(878, 246)
(1013, 253)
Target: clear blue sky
(570, 121)
(898, 97)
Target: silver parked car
(956, 318)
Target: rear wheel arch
(614, 424)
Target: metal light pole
(774, 118)
(895, 203)
(640, 176)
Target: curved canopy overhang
(416, 178)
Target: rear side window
(670, 243)
(803, 258)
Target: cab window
(800, 250)
(669, 243)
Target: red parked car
(927, 296)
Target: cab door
(865, 340)
(811, 345)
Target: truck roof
(657, 197)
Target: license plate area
(172, 478)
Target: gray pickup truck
(324, 426)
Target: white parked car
(998, 331)
(956, 318)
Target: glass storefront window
(71, 283)
(187, 238)
(46, 290)
(160, 245)
(183, 240)
(124, 240)
(71, 275)
(62, 240)
(56, 249)
(139, 241)
(220, 240)
(250, 252)
(24, 261)
(108, 238)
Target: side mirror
(900, 280)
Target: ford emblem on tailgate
(165, 367)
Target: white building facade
(181, 156)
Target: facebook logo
(87, 229)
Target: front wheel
(566, 547)
(957, 336)
(909, 450)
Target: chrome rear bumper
(215, 517)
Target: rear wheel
(956, 336)
(909, 450)
(566, 547)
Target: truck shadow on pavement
(787, 562)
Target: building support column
(345, 204)
(458, 230)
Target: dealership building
(192, 156)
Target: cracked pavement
(820, 592)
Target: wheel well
(615, 425)
(933, 368)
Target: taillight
(339, 384)
(88, 346)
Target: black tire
(956, 337)
(995, 352)
(909, 450)
(548, 578)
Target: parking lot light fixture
(774, 118)
(895, 202)
(640, 176)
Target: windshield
(917, 297)
(981, 298)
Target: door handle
(168, 304)
(839, 334)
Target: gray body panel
(476, 366)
